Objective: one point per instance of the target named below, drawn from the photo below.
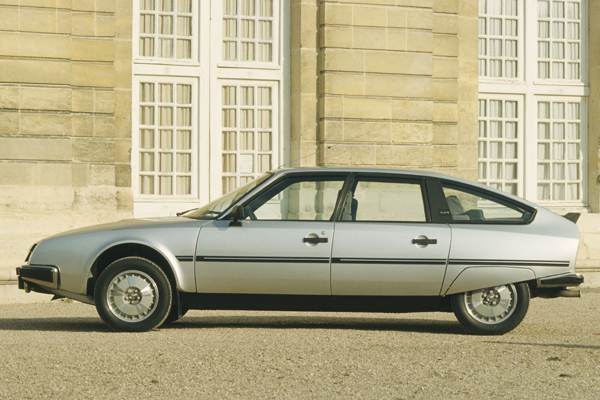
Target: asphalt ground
(63, 350)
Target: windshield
(216, 207)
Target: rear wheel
(133, 295)
(492, 311)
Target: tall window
(247, 133)
(498, 38)
(166, 29)
(248, 30)
(559, 39)
(499, 144)
(208, 85)
(166, 139)
(532, 129)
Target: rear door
(385, 244)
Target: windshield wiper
(179, 214)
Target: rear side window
(384, 200)
(475, 207)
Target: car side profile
(321, 239)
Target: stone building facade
(116, 108)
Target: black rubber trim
(185, 258)
(569, 279)
(397, 261)
(45, 275)
(512, 263)
(304, 260)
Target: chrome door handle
(315, 240)
(424, 241)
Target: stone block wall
(386, 83)
(65, 119)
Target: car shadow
(320, 322)
(63, 324)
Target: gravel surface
(63, 350)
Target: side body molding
(474, 278)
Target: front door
(283, 247)
(384, 244)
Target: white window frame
(531, 89)
(520, 140)
(198, 9)
(209, 71)
(278, 40)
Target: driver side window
(298, 199)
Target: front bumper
(40, 275)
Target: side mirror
(238, 214)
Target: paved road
(63, 350)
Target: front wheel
(133, 295)
(492, 311)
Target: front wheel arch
(123, 250)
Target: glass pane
(482, 171)
(558, 151)
(184, 6)
(293, 199)
(184, 185)
(147, 162)
(146, 184)
(165, 5)
(147, 4)
(558, 172)
(264, 141)
(146, 138)
(510, 171)
(473, 208)
(184, 140)
(184, 162)
(184, 49)
(184, 116)
(510, 130)
(165, 25)
(543, 191)
(229, 163)
(387, 201)
(543, 130)
(165, 185)
(146, 115)
(510, 151)
(229, 141)
(246, 140)
(165, 162)
(543, 172)
(165, 116)
(146, 23)
(165, 93)
(166, 139)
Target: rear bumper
(40, 275)
(562, 280)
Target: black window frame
(357, 177)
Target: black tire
(133, 295)
(492, 311)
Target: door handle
(424, 241)
(315, 240)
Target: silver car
(321, 239)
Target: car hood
(124, 224)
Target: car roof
(415, 173)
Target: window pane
(470, 207)
(385, 201)
(299, 200)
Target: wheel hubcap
(132, 296)
(491, 305)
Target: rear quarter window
(469, 206)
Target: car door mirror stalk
(238, 214)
